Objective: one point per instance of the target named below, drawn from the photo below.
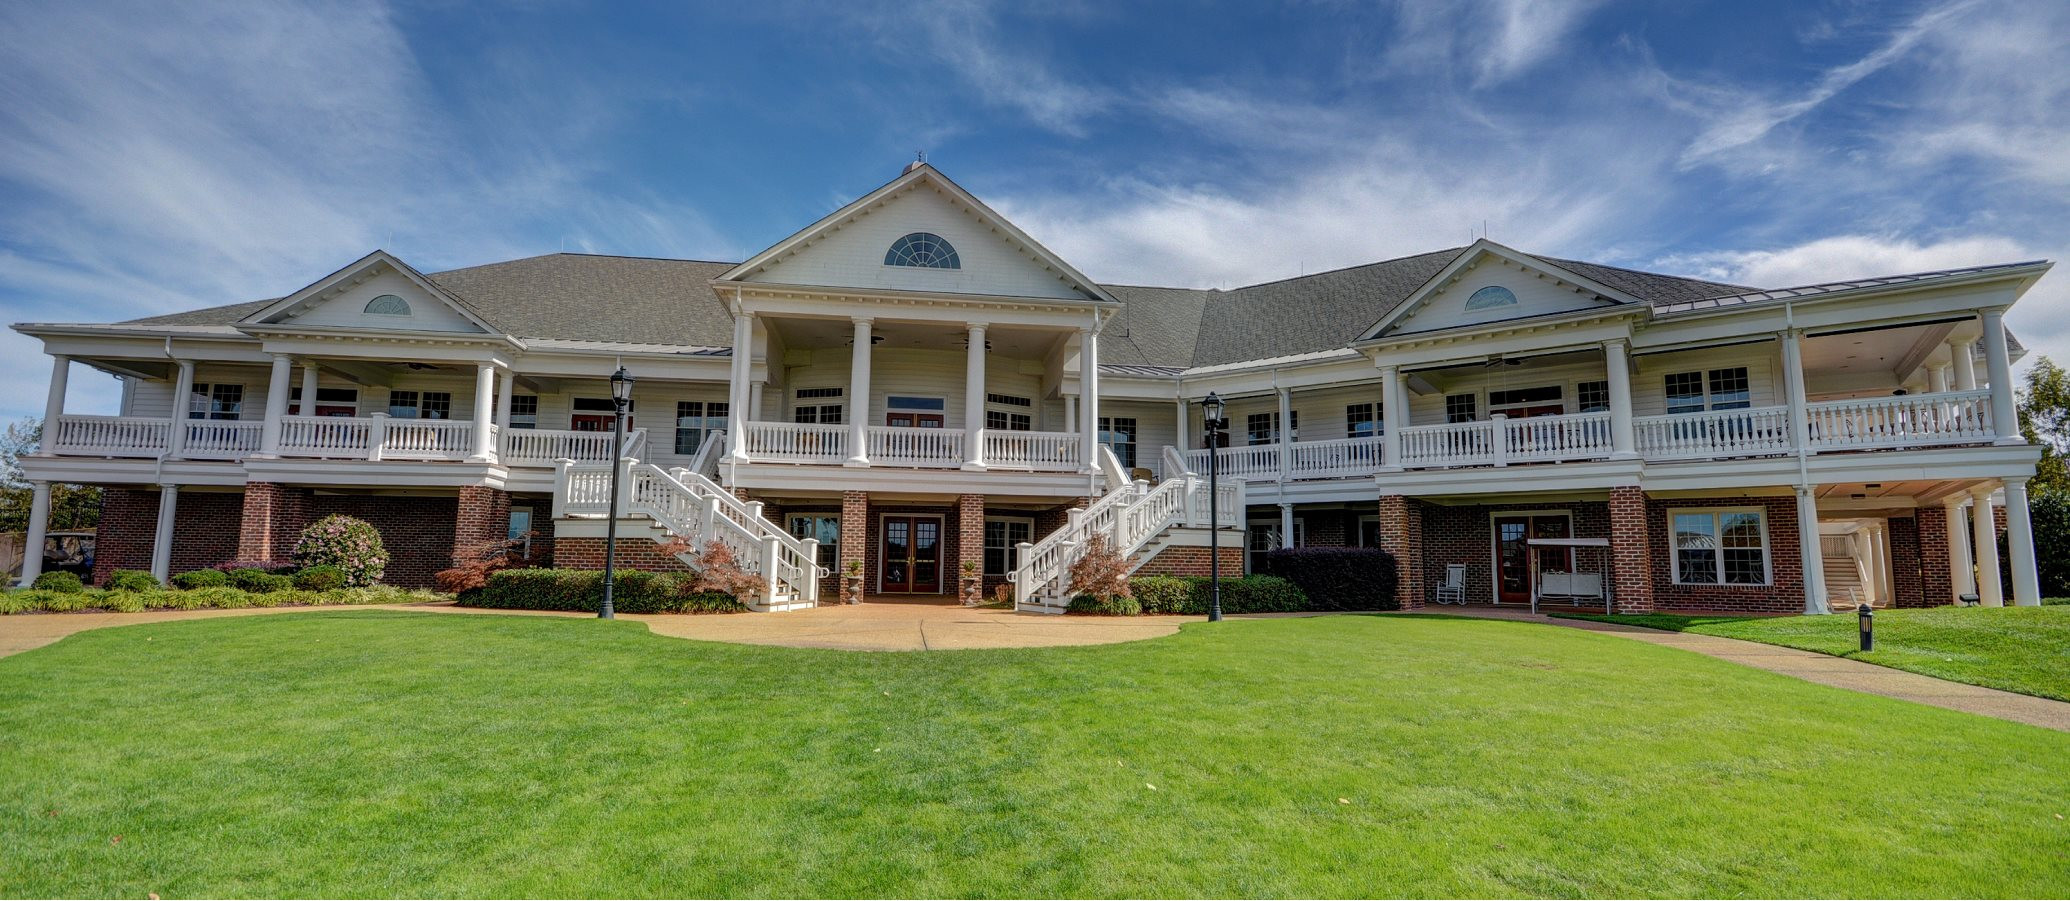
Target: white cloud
(1496, 40)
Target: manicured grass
(2023, 649)
(355, 753)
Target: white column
(1963, 576)
(183, 391)
(755, 391)
(1793, 378)
(484, 413)
(39, 524)
(1286, 438)
(1089, 393)
(1185, 413)
(504, 389)
(1286, 525)
(54, 402)
(308, 405)
(1624, 439)
(1879, 545)
(1965, 365)
(974, 399)
(161, 544)
(2019, 541)
(736, 386)
(1813, 561)
(2004, 417)
(859, 396)
(1937, 379)
(1983, 529)
(276, 407)
(1393, 416)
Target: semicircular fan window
(1491, 297)
(388, 305)
(924, 251)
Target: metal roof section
(1825, 288)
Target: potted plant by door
(973, 584)
(852, 582)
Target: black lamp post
(1867, 619)
(1212, 425)
(621, 394)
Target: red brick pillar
(483, 520)
(970, 542)
(1631, 550)
(274, 516)
(129, 527)
(1920, 553)
(855, 538)
(1401, 536)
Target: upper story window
(215, 402)
(1593, 397)
(388, 305)
(924, 251)
(524, 411)
(1363, 420)
(420, 404)
(1716, 389)
(1491, 297)
(1460, 408)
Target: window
(1523, 397)
(1715, 547)
(826, 529)
(1008, 400)
(1363, 421)
(1003, 421)
(1118, 433)
(902, 402)
(695, 421)
(1728, 390)
(1491, 297)
(924, 251)
(1593, 397)
(524, 411)
(1002, 535)
(1460, 408)
(329, 402)
(388, 305)
(1263, 428)
(823, 414)
(421, 404)
(1369, 531)
(215, 402)
(1263, 538)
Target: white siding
(1535, 297)
(915, 373)
(1649, 385)
(853, 255)
(155, 398)
(348, 308)
(1156, 428)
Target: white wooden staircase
(1132, 516)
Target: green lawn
(2023, 649)
(356, 753)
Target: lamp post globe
(621, 395)
(1212, 424)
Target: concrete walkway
(1812, 666)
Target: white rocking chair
(1453, 589)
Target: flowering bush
(346, 543)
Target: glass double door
(1514, 575)
(911, 560)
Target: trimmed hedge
(132, 580)
(582, 590)
(259, 581)
(60, 581)
(321, 577)
(1338, 578)
(1188, 595)
(32, 600)
(201, 578)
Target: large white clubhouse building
(913, 388)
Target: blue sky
(156, 157)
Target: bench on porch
(1571, 589)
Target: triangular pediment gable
(1489, 284)
(848, 248)
(377, 292)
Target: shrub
(201, 578)
(132, 580)
(321, 577)
(274, 567)
(1338, 578)
(472, 573)
(59, 581)
(719, 573)
(1188, 595)
(259, 581)
(582, 590)
(1101, 574)
(1166, 594)
(349, 544)
(224, 597)
(1109, 606)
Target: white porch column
(1937, 379)
(39, 525)
(1983, 529)
(1963, 577)
(161, 544)
(1879, 545)
(504, 389)
(2004, 417)
(1185, 412)
(974, 399)
(183, 394)
(1624, 439)
(1793, 378)
(859, 396)
(1286, 435)
(1089, 393)
(484, 413)
(1809, 553)
(736, 386)
(1286, 525)
(54, 402)
(2019, 541)
(1965, 365)
(1071, 413)
(307, 407)
(1393, 416)
(276, 407)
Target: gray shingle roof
(1324, 311)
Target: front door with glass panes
(1523, 403)
(824, 528)
(914, 412)
(1514, 577)
(911, 559)
(594, 414)
(335, 402)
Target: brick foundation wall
(417, 530)
(633, 553)
(1783, 594)
(1631, 551)
(481, 520)
(1327, 528)
(271, 519)
(1193, 561)
(970, 539)
(1906, 569)
(1936, 557)
(855, 534)
(1402, 535)
(1466, 535)
(129, 523)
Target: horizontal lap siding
(1649, 385)
(916, 373)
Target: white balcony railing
(1910, 421)
(109, 436)
(1035, 451)
(1338, 458)
(428, 439)
(1751, 432)
(1539, 439)
(797, 442)
(326, 437)
(918, 447)
(1452, 444)
(541, 447)
(1255, 461)
(212, 439)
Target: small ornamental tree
(1101, 574)
(471, 571)
(346, 543)
(718, 571)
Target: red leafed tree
(1101, 573)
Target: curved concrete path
(1811, 666)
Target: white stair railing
(1129, 517)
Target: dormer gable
(1490, 283)
(377, 293)
(920, 232)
